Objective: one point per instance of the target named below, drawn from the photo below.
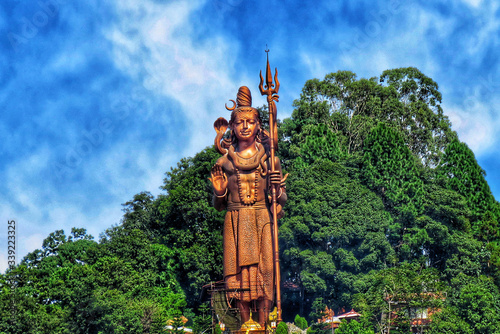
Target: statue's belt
(261, 205)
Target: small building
(403, 310)
(333, 322)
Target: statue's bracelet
(225, 193)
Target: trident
(272, 95)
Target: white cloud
(483, 31)
(68, 60)
(3, 262)
(475, 126)
(22, 177)
(33, 202)
(315, 65)
(28, 234)
(31, 242)
(124, 171)
(392, 39)
(405, 41)
(39, 208)
(34, 226)
(196, 75)
(473, 3)
(127, 170)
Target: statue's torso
(245, 187)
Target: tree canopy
(388, 213)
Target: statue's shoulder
(225, 163)
(222, 160)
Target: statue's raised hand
(219, 180)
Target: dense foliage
(388, 213)
(300, 322)
(353, 327)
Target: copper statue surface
(247, 182)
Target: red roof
(348, 315)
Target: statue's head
(243, 110)
(243, 105)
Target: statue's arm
(219, 186)
(219, 203)
(281, 196)
(276, 178)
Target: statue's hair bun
(244, 97)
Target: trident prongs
(269, 90)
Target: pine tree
(464, 175)
(321, 143)
(390, 169)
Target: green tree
(125, 284)
(351, 107)
(322, 143)
(142, 213)
(335, 228)
(449, 322)
(407, 289)
(317, 309)
(467, 256)
(190, 226)
(462, 173)
(390, 169)
(300, 322)
(176, 325)
(340, 102)
(282, 328)
(471, 307)
(203, 321)
(353, 327)
(418, 114)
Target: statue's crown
(244, 97)
(243, 101)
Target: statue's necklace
(246, 163)
(249, 196)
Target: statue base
(228, 318)
(251, 326)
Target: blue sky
(100, 98)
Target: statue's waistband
(238, 206)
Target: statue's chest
(245, 177)
(248, 183)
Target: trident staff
(272, 95)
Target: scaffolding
(227, 316)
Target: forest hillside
(386, 207)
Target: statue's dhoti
(248, 254)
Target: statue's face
(245, 126)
